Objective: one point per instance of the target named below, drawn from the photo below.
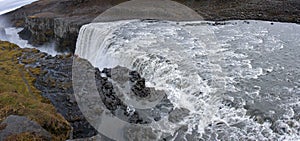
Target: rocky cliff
(39, 88)
(59, 21)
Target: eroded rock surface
(18, 96)
(57, 21)
(60, 20)
(55, 82)
(14, 125)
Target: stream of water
(239, 80)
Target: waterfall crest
(199, 71)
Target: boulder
(178, 115)
(14, 125)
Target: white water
(199, 65)
(11, 35)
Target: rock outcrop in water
(51, 78)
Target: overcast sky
(9, 5)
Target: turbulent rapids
(238, 80)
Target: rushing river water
(239, 80)
(11, 35)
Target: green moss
(19, 96)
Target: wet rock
(25, 34)
(178, 115)
(58, 89)
(14, 125)
(54, 80)
(94, 138)
(107, 72)
(134, 76)
(114, 86)
(110, 98)
(281, 128)
(2, 33)
(134, 133)
(55, 83)
(139, 88)
(259, 116)
(263, 111)
(120, 74)
(179, 135)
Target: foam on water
(202, 68)
(11, 35)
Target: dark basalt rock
(57, 20)
(14, 124)
(134, 76)
(25, 34)
(113, 103)
(107, 72)
(60, 20)
(60, 92)
(178, 115)
(55, 82)
(140, 89)
(121, 77)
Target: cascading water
(11, 35)
(233, 78)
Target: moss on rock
(18, 95)
(26, 136)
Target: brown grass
(18, 96)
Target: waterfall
(11, 35)
(198, 70)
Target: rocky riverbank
(25, 114)
(59, 21)
(37, 88)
